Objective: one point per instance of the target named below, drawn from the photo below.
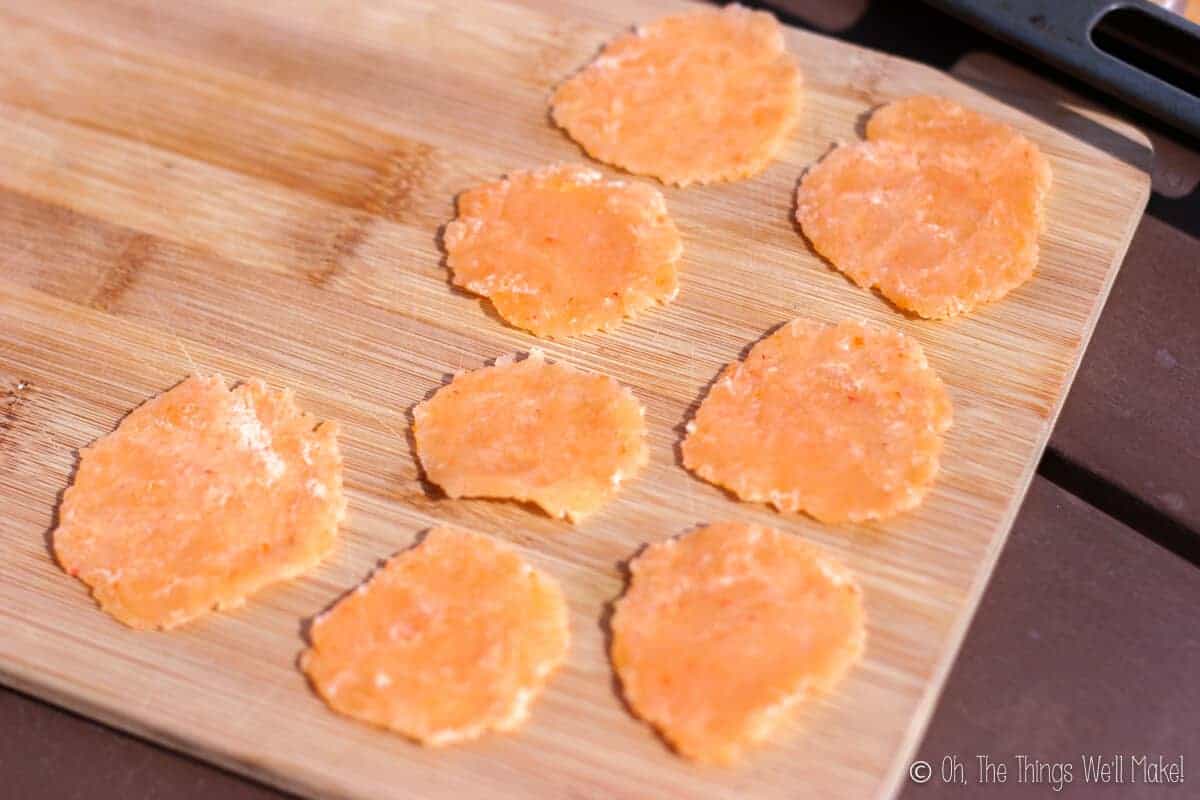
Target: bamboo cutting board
(256, 188)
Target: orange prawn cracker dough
(532, 431)
(448, 640)
(703, 96)
(844, 422)
(199, 498)
(940, 209)
(723, 630)
(562, 251)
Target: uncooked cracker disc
(940, 209)
(200, 497)
(562, 251)
(724, 630)
(844, 422)
(533, 431)
(445, 642)
(699, 97)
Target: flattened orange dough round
(448, 640)
(940, 209)
(723, 630)
(844, 422)
(562, 251)
(200, 497)
(704, 96)
(532, 431)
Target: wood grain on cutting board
(257, 189)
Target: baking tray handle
(1133, 49)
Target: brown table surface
(1084, 641)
